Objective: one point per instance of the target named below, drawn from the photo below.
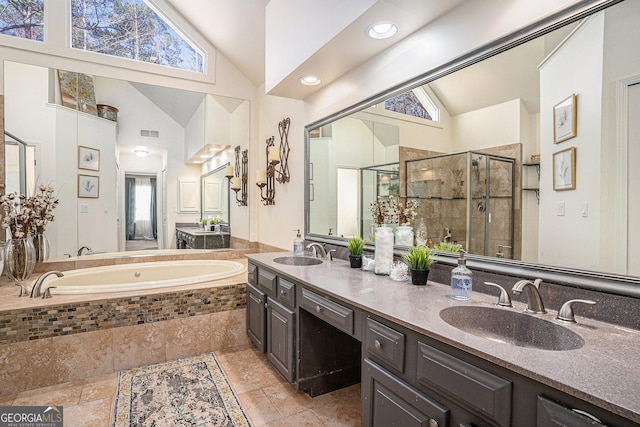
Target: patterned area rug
(187, 392)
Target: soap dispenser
(461, 280)
(298, 245)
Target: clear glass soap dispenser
(461, 280)
(298, 245)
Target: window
(416, 103)
(131, 29)
(22, 18)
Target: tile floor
(268, 399)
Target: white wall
(576, 67)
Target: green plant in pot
(419, 260)
(355, 246)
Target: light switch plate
(560, 209)
(84, 208)
(585, 209)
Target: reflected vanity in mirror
(167, 150)
(475, 147)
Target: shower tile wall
(441, 185)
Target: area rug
(187, 392)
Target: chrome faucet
(533, 295)
(36, 291)
(82, 249)
(317, 249)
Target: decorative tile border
(65, 319)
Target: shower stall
(465, 198)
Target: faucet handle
(23, 290)
(330, 253)
(503, 300)
(47, 292)
(566, 311)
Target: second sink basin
(512, 327)
(297, 260)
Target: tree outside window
(131, 29)
(22, 18)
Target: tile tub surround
(612, 386)
(86, 332)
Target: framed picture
(310, 171)
(564, 169)
(88, 158)
(312, 194)
(564, 120)
(88, 186)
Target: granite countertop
(603, 372)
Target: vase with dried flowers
(403, 214)
(26, 218)
(20, 253)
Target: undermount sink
(512, 327)
(297, 260)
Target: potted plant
(355, 246)
(419, 259)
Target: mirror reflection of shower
(469, 193)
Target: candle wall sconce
(240, 179)
(277, 165)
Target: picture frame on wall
(565, 120)
(564, 169)
(88, 158)
(88, 186)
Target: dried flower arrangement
(380, 211)
(403, 214)
(23, 214)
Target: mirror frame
(592, 280)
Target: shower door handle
(489, 217)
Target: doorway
(141, 219)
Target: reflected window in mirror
(415, 103)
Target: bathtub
(143, 253)
(141, 276)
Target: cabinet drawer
(267, 281)
(252, 274)
(385, 344)
(464, 383)
(331, 312)
(287, 292)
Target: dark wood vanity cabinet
(271, 318)
(321, 343)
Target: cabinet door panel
(388, 402)
(552, 414)
(280, 338)
(256, 317)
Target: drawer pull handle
(433, 423)
(377, 344)
(318, 309)
(282, 292)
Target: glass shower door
(500, 208)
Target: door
(633, 232)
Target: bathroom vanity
(327, 326)
(198, 238)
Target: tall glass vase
(41, 246)
(20, 259)
(384, 250)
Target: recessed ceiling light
(382, 30)
(141, 151)
(310, 80)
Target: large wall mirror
(486, 150)
(164, 143)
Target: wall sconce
(240, 179)
(275, 156)
(266, 177)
